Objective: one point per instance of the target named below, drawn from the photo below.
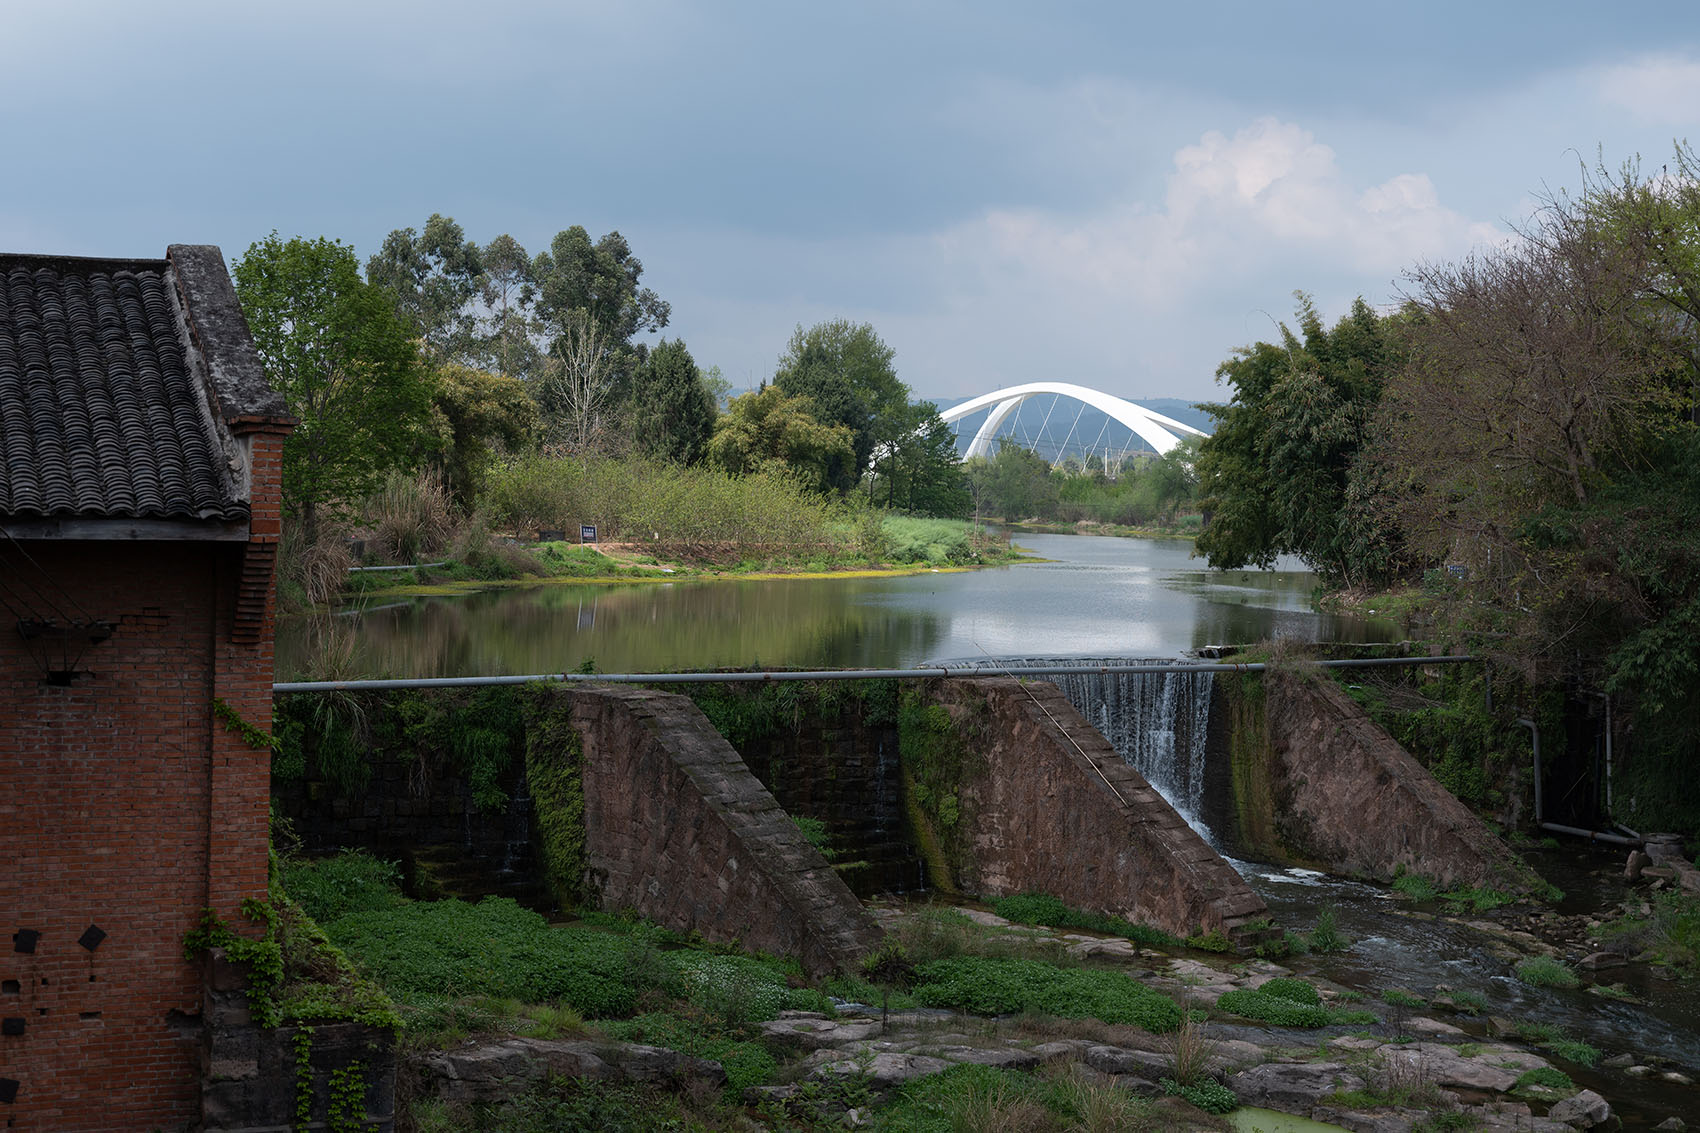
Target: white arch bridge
(1160, 432)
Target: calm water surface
(1100, 597)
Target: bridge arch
(1160, 432)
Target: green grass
(1416, 887)
(333, 887)
(990, 986)
(1544, 971)
(1548, 1076)
(495, 948)
(1575, 1050)
(747, 1062)
(1400, 998)
(1043, 909)
(1278, 1002)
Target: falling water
(1157, 722)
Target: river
(1096, 596)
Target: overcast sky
(1115, 194)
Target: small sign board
(587, 533)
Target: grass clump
(1326, 936)
(1415, 886)
(1398, 997)
(1550, 1077)
(1043, 909)
(992, 986)
(1544, 971)
(1669, 933)
(1575, 1050)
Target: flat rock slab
(1445, 1067)
(1292, 1087)
(487, 1071)
(817, 1031)
(885, 1071)
(1119, 1060)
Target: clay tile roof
(107, 404)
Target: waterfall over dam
(1158, 722)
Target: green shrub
(1544, 971)
(1289, 988)
(1398, 997)
(986, 986)
(330, 888)
(1211, 1097)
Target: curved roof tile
(104, 411)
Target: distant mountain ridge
(1049, 424)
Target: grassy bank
(653, 522)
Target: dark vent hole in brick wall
(88, 1015)
(10, 987)
(24, 940)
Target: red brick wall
(123, 804)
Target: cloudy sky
(1115, 194)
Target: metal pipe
(833, 674)
(1535, 738)
(1592, 835)
(414, 566)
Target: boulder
(1587, 1110)
(885, 1071)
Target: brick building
(139, 520)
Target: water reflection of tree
(638, 629)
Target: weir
(1158, 721)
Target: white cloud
(1270, 194)
(1655, 88)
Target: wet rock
(1619, 1061)
(1425, 1026)
(1293, 1087)
(1637, 862)
(1639, 1071)
(1597, 960)
(1676, 1078)
(1672, 1125)
(1587, 1110)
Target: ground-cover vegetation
(996, 986)
(1667, 932)
(1043, 909)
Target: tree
(434, 275)
(477, 416)
(846, 373)
(345, 364)
(507, 292)
(917, 469)
(1014, 484)
(671, 416)
(1538, 386)
(576, 389)
(1276, 473)
(770, 431)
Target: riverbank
(966, 1018)
(904, 546)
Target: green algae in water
(1250, 1119)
